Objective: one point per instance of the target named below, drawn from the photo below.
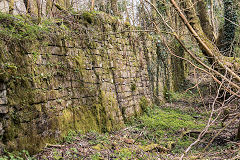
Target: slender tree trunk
(204, 19)
(39, 11)
(92, 4)
(192, 22)
(114, 7)
(49, 8)
(177, 67)
(67, 4)
(154, 13)
(212, 19)
(27, 6)
(238, 133)
(11, 6)
(225, 41)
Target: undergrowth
(16, 27)
(166, 126)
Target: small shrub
(162, 126)
(88, 16)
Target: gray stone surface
(85, 86)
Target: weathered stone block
(3, 109)
(3, 100)
(1, 129)
(3, 93)
(2, 86)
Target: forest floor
(163, 132)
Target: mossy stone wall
(94, 80)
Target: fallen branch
(54, 145)
(220, 131)
(204, 131)
(193, 133)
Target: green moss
(163, 124)
(22, 137)
(18, 28)
(188, 96)
(77, 118)
(80, 64)
(98, 147)
(109, 105)
(133, 87)
(89, 17)
(170, 120)
(127, 24)
(144, 104)
(125, 153)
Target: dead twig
(220, 131)
(204, 131)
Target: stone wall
(94, 78)
(3, 104)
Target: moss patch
(164, 124)
(88, 16)
(144, 104)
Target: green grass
(179, 96)
(166, 126)
(169, 120)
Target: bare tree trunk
(92, 4)
(177, 67)
(154, 13)
(212, 19)
(238, 133)
(226, 38)
(39, 11)
(114, 7)
(192, 22)
(204, 19)
(11, 6)
(27, 6)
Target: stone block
(3, 93)
(3, 100)
(2, 86)
(1, 129)
(3, 109)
